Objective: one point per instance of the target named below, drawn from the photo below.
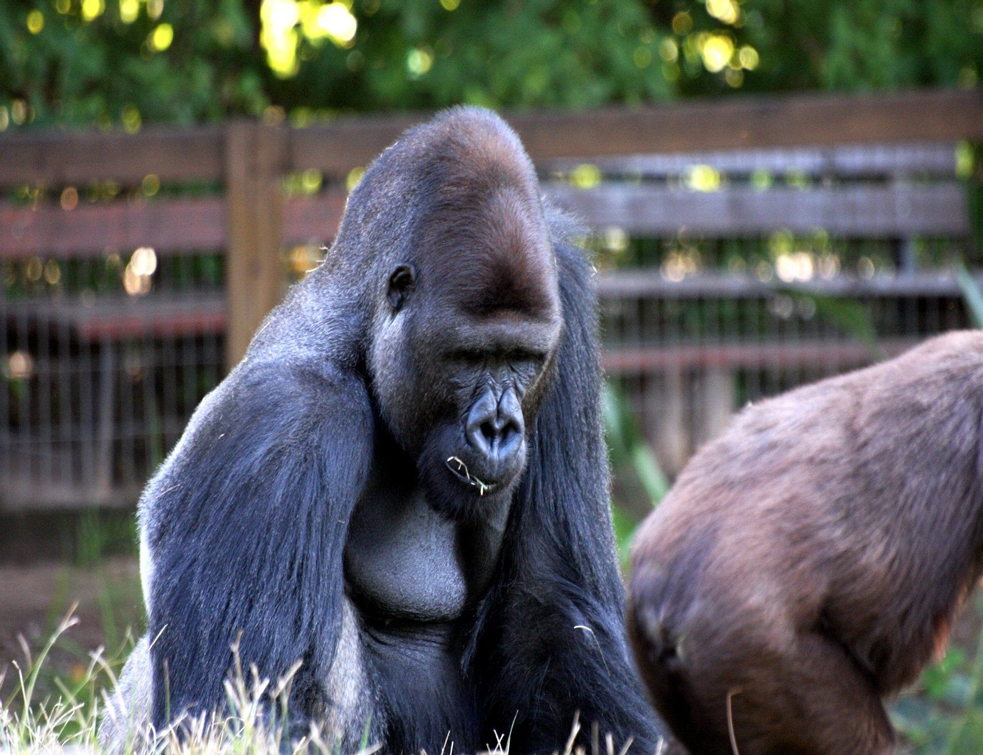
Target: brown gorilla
(811, 560)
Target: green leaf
(972, 294)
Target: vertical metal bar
(104, 430)
(6, 418)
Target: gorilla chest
(405, 561)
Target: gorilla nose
(494, 427)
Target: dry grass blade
(730, 721)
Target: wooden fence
(238, 207)
(253, 220)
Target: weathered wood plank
(348, 142)
(642, 284)
(91, 230)
(116, 318)
(732, 356)
(691, 126)
(851, 211)
(313, 220)
(755, 121)
(182, 225)
(254, 217)
(59, 158)
(173, 225)
(839, 161)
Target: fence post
(254, 157)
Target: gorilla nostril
(498, 429)
(489, 431)
(509, 431)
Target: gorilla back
(403, 486)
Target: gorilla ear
(401, 285)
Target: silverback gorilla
(810, 560)
(403, 485)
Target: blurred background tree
(130, 62)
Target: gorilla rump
(811, 559)
(404, 484)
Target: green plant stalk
(952, 745)
(27, 692)
(649, 473)
(972, 294)
(629, 445)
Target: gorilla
(403, 486)
(811, 560)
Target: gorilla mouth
(460, 470)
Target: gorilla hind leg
(353, 714)
(809, 699)
(838, 708)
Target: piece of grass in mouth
(463, 469)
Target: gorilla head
(467, 319)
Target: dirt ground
(34, 599)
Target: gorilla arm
(246, 526)
(558, 622)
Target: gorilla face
(465, 343)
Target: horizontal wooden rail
(848, 211)
(759, 121)
(197, 155)
(175, 315)
(185, 225)
(25, 492)
(350, 142)
(169, 226)
(750, 356)
(731, 123)
(839, 161)
(644, 284)
(59, 158)
(313, 220)
(118, 318)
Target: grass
(942, 715)
(45, 712)
(57, 723)
(67, 721)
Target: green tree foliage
(418, 54)
(128, 62)
(864, 44)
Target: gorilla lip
(460, 470)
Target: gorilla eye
(401, 285)
(469, 357)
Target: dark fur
(245, 527)
(811, 560)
